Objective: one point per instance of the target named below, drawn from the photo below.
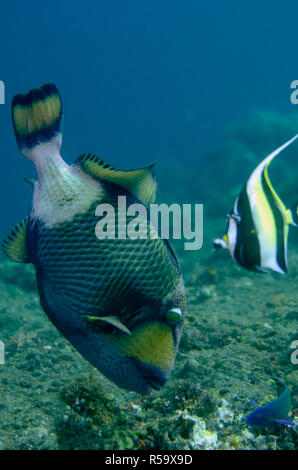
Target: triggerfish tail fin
(286, 422)
(37, 117)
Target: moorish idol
(258, 226)
(119, 301)
(275, 412)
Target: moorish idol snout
(258, 226)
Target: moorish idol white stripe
(258, 226)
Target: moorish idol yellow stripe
(258, 226)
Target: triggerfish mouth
(275, 412)
(119, 301)
(258, 226)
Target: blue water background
(142, 80)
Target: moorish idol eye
(173, 316)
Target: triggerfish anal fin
(14, 244)
(140, 182)
(37, 116)
(274, 412)
(111, 320)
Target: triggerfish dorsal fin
(37, 116)
(140, 182)
(14, 244)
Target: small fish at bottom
(275, 412)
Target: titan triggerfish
(119, 301)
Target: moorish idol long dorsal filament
(258, 226)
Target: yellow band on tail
(37, 116)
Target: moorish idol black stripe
(258, 226)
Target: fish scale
(66, 262)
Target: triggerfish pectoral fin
(14, 244)
(151, 347)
